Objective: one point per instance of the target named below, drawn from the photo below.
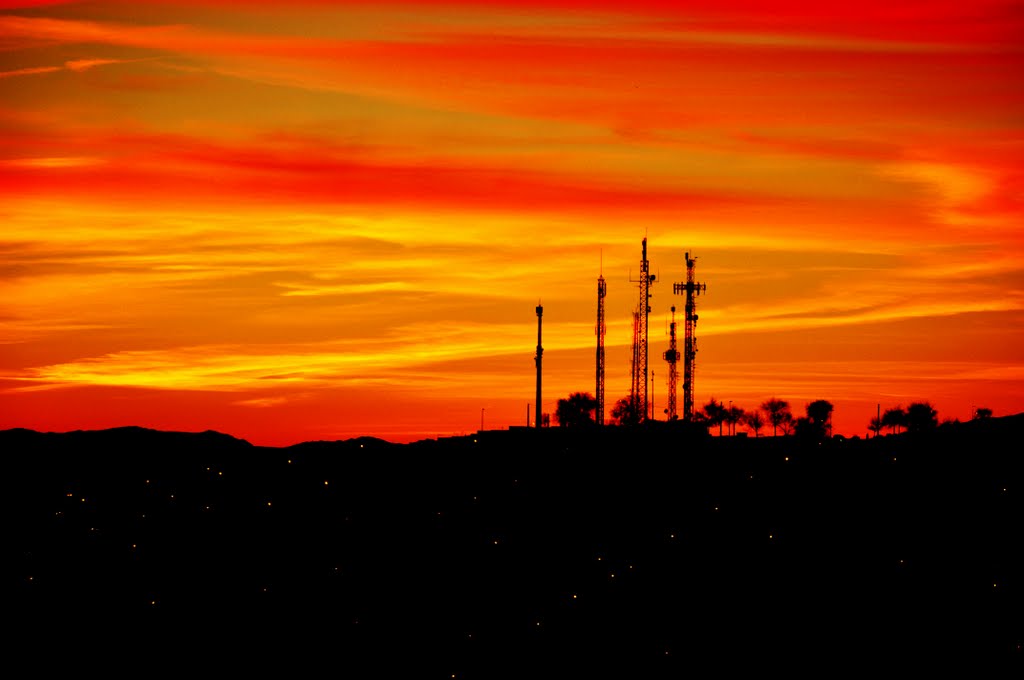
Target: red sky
(309, 220)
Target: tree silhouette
(577, 410)
(778, 413)
(921, 417)
(715, 414)
(734, 415)
(982, 413)
(894, 418)
(876, 425)
(819, 414)
(755, 421)
(626, 411)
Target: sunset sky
(307, 220)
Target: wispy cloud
(86, 64)
(75, 65)
(52, 162)
(31, 71)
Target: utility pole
(652, 394)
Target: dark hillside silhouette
(641, 552)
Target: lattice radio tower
(692, 289)
(672, 356)
(602, 291)
(639, 394)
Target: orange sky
(296, 220)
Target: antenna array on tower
(643, 311)
(691, 289)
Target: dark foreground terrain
(527, 554)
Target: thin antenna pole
(602, 291)
(538, 359)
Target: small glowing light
(598, 559)
(147, 481)
(495, 542)
(613, 575)
(70, 495)
(671, 535)
(538, 623)
(152, 602)
(289, 461)
(207, 469)
(325, 482)
(716, 508)
(787, 458)
(172, 496)
(574, 596)
(83, 500)
(631, 566)
(268, 504)
(995, 585)
(133, 546)
(360, 446)
(30, 578)
(220, 474)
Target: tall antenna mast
(692, 289)
(672, 356)
(537, 359)
(602, 291)
(643, 312)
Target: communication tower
(639, 394)
(672, 357)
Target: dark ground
(528, 554)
